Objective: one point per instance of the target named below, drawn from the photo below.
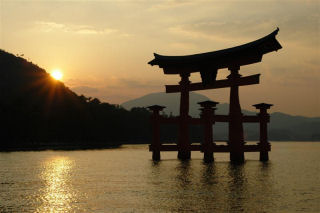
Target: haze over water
(127, 180)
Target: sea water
(127, 180)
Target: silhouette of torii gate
(208, 64)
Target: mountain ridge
(135, 103)
(282, 126)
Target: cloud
(187, 32)
(118, 90)
(183, 46)
(85, 89)
(225, 23)
(172, 4)
(132, 83)
(71, 28)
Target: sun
(56, 74)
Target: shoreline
(112, 146)
(58, 148)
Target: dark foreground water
(126, 180)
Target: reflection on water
(127, 180)
(208, 177)
(184, 174)
(237, 187)
(57, 195)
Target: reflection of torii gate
(208, 64)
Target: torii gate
(208, 64)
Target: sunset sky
(103, 47)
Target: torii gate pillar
(264, 118)
(236, 140)
(184, 151)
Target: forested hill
(38, 112)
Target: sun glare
(56, 74)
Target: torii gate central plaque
(208, 65)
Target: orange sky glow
(103, 46)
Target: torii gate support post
(264, 118)
(184, 151)
(207, 115)
(155, 122)
(236, 140)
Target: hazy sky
(103, 47)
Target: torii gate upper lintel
(208, 65)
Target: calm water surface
(127, 180)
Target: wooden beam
(174, 147)
(196, 121)
(170, 120)
(250, 119)
(217, 118)
(216, 148)
(221, 118)
(248, 80)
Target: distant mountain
(298, 128)
(282, 127)
(172, 100)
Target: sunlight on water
(57, 194)
(127, 180)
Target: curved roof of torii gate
(227, 58)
